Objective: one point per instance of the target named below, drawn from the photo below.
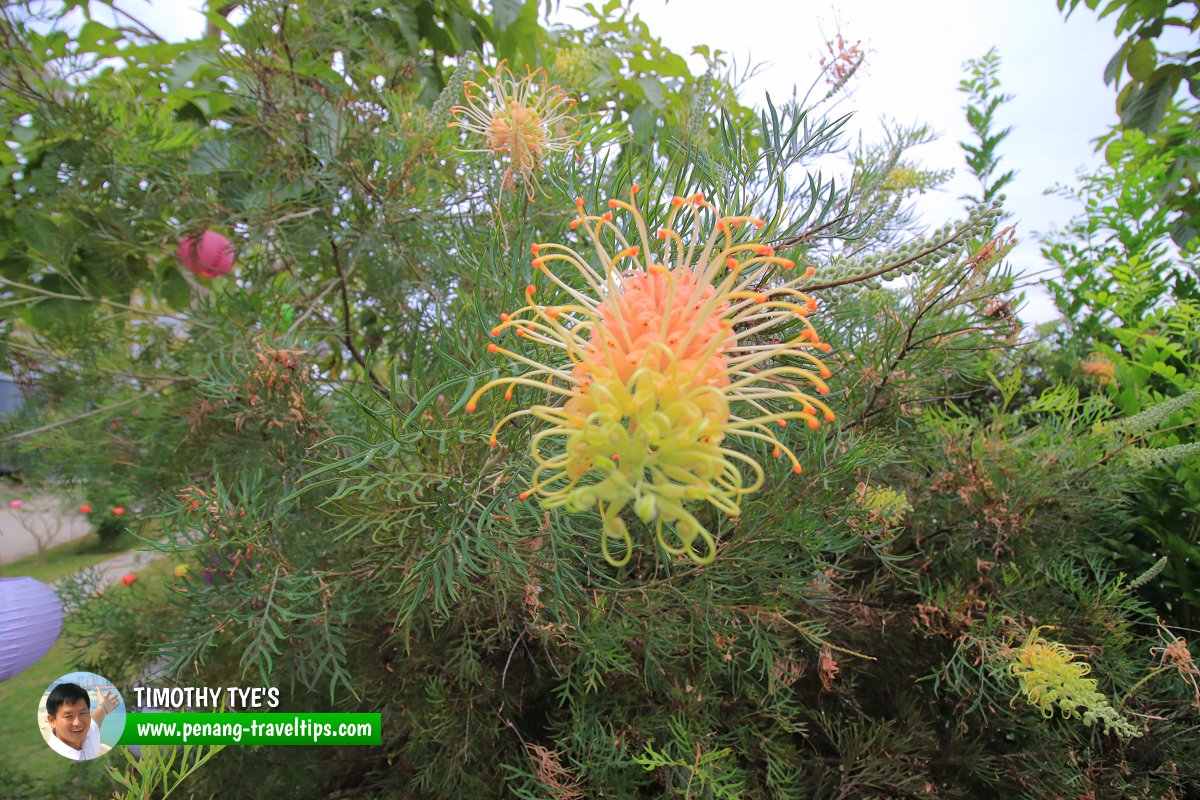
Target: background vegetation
(298, 425)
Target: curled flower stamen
(668, 364)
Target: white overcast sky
(1052, 66)
(915, 53)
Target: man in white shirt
(74, 727)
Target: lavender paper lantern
(30, 619)
(209, 255)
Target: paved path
(111, 571)
(44, 517)
(49, 518)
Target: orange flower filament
(520, 120)
(668, 359)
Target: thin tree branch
(348, 337)
(86, 299)
(78, 417)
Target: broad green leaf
(655, 93)
(211, 156)
(1113, 69)
(175, 289)
(221, 22)
(505, 13)
(1142, 60)
(25, 134)
(186, 67)
(406, 20)
(1143, 107)
(53, 314)
(40, 233)
(95, 37)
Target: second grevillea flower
(520, 121)
(672, 351)
(1052, 679)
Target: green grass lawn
(21, 743)
(24, 756)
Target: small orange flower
(521, 121)
(827, 669)
(1175, 655)
(673, 349)
(1099, 367)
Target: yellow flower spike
(1052, 679)
(666, 360)
(884, 503)
(520, 121)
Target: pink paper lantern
(209, 255)
(30, 619)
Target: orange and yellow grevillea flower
(681, 345)
(520, 121)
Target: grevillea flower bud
(674, 351)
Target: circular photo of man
(81, 716)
